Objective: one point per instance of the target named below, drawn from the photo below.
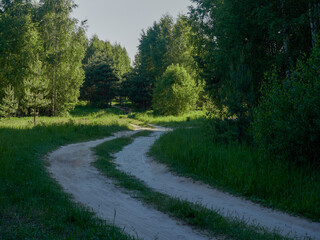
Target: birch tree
(64, 46)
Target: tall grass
(32, 205)
(240, 169)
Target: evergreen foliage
(9, 105)
(101, 79)
(176, 92)
(105, 66)
(44, 32)
(36, 91)
(18, 44)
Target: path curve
(133, 160)
(71, 167)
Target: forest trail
(71, 167)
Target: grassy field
(241, 170)
(32, 205)
(191, 214)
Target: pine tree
(36, 90)
(105, 65)
(9, 105)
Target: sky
(122, 21)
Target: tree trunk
(286, 38)
(35, 108)
(312, 26)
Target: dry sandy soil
(71, 167)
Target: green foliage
(175, 92)
(241, 170)
(287, 120)
(32, 32)
(105, 66)
(165, 43)
(9, 105)
(64, 49)
(36, 91)
(238, 41)
(101, 79)
(18, 45)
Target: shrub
(175, 92)
(287, 119)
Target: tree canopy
(43, 35)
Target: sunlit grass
(191, 119)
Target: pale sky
(122, 21)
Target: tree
(101, 79)
(36, 91)
(9, 105)
(18, 44)
(175, 92)
(287, 119)
(238, 41)
(111, 62)
(64, 46)
(163, 44)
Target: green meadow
(32, 205)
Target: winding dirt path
(71, 167)
(133, 160)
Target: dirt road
(71, 167)
(133, 160)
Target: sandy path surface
(70, 166)
(133, 160)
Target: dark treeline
(245, 46)
(253, 64)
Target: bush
(175, 92)
(223, 128)
(287, 119)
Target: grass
(191, 214)
(187, 120)
(32, 205)
(241, 170)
